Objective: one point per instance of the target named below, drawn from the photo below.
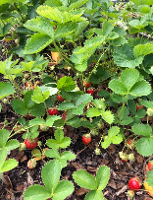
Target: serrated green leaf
(12, 144)
(4, 136)
(81, 67)
(59, 135)
(84, 179)
(51, 143)
(66, 83)
(6, 89)
(3, 156)
(37, 42)
(149, 179)
(140, 113)
(51, 174)
(108, 116)
(144, 146)
(37, 192)
(65, 143)
(118, 87)
(63, 30)
(67, 155)
(129, 77)
(38, 97)
(123, 56)
(143, 49)
(141, 88)
(76, 4)
(40, 25)
(102, 177)
(94, 195)
(66, 106)
(52, 153)
(126, 121)
(36, 121)
(106, 143)
(99, 104)
(19, 106)
(148, 104)
(93, 112)
(51, 119)
(37, 110)
(142, 129)
(52, 90)
(8, 165)
(63, 189)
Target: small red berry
(31, 164)
(86, 139)
(53, 111)
(131, 144)
(86, 84)
(31, 143)
(138, 107)
(150, 165)
(59, 97)
(91, 91)
(134, 184)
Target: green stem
(46, 108)
(3, 179)
(14, 84)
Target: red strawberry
(91, 91)
(53, 111)
(131, 144)
(59, 97)
(150, 165)
(28, 84)
(86, 84)
(134, 184)
(86, 139)
(31, 143)
(138, 107)
(31, 164)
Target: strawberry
(131, 144)
(148, 188)
(59, 97)
(150, 165)
(134, 184)
(5, 101)
(138, 107)
(53, 111)
(26, 76)
(17, 128)
(91, 91)
(130, 193)
(31, 164)
(86, 139)
(22, 146)
(131, 157)
(31, 143)
(44, 128)
(28, 84)
(123, 156)
(149, 112)
(97, 151)
(86, 84)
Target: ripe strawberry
(148, 188)
(86, 84)
(134, 184)
(131, 144)
(130, 193)
(31, 143)
(59, 97)
(31, 164)
(123, 156)
(138, 107)
(53, 111)
(86, 139)
(91, 91)
(150, 165)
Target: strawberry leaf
(142, 129)
(149, 179)
(6, 89)
(144, 146)
(102, 177)
(94, 195)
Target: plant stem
(4, 180)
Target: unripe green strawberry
(5, 100)
(97, 151)
(123, 156)
(131, 157)
(31, 164)
(44, 128)
(26, 76)
(24, 80)
(150, 112)
(22, 146)
(131, 144)
(130, 193)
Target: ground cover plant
(76, 68)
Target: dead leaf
(122, 190)
(29, 179)
(112, 183)
(24, 158)
(139, 159)
(81, 191)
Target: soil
(21, 177)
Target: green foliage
(55, 189)
(94, 184)
(6, 89)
